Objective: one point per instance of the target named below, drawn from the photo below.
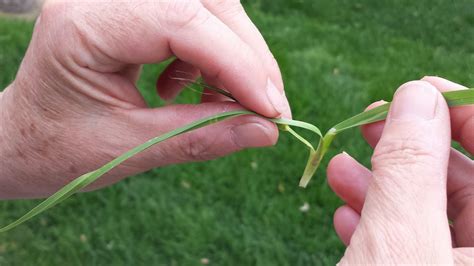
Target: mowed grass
(336, 58)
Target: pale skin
(73, 106)
(399, 211)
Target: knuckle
(416, 83)
(249, 59)
(56, 25)
(404, 150)
(461, 196)
(53, 13)
(405, 159)
(183, 13)
(272, 62)
(246, 58)
(229, 7)
(51, 8)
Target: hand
(400, 211)
(74, 106)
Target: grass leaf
(453, 98)
(86, 179)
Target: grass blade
(86, 179)
(316, 157)
(453, 98)
(296, 123)
(299, 137)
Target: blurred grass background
(336, 58)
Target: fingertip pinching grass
(316, 155)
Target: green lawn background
(336, 58)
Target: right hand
(397, 211)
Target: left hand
(74, 104)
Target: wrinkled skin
(399, 211)
(74, 106)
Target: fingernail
(414, 101)
(287, 113)
(251, 135)
(278, 99)
(425, 76)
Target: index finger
(232, 13)
(154, 30)
(210, 45)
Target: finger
(460, 185)
(463, 256)
(345, 223)
(460, 182)
(223, 55)
(174, 78)
(212, 96)
(372, 132)
(463, 226)
(206, 143)
(349, 180)
(460, 191)
(161, 29)
(209, 95)
(461, 197)
(131, 72)
(406, 198)
(211, 141)
(234, 16)
(462, 117)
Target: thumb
(126, 129)
(209, 142)
(405, 211)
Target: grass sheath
(453, 98)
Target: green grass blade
(300, 138)
(86, 179)
(377, 114)
(296, 123)
(459, 97)
(49, 202)
(207, 86)
(453, 98)
(316, 157)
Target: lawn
(336, 58)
